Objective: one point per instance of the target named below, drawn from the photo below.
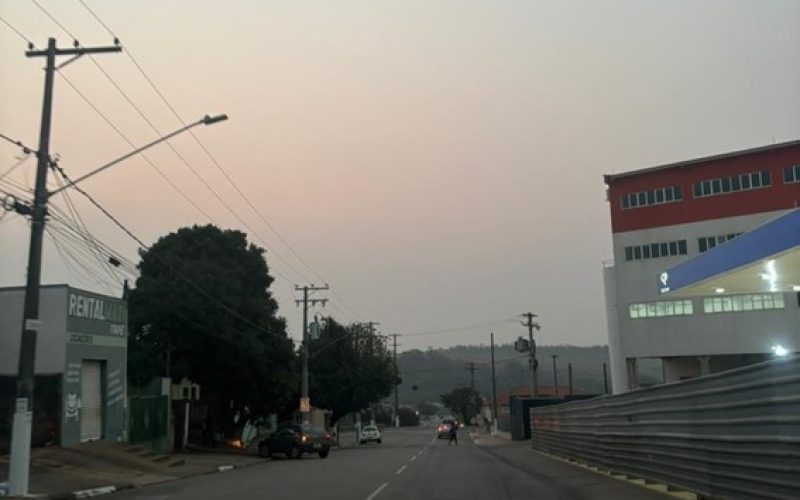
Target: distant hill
(437, 371)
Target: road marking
(413, 458)
(376, 492)
(401, 469)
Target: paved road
(409, 464)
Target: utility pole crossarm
(76, 51)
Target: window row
(652, 197)
(737, 303)
(741, 182)
(709, 242)
(791, 174)
(660, 309)
(656, 250)
(711, 305)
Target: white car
(369, 433)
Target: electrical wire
(18, 32)
(214, 160)
(458, 328)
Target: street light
(19, 464)
(780, 351)
(206, 120)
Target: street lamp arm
(206, 120)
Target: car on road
(295, 440)
(369, 433)
(443, 429)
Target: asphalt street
(410, 463)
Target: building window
(742, 182)
(656, 250)
(791, 174)
(651, 197)
(660, 309)
(708, 242)
(743, 303)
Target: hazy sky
(439, 163)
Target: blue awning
(766, 259)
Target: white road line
(376, 492)
(421, 451)
(401, 469)
(413, 458)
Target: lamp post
(19, 465)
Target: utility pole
(472, 369)
(569, 372)
(19, 466)
(533, 365)
(494, 387)
(305, 403)
(605, 379)
(396, 376)
(555, 375)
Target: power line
(74, 38)
(18, 32)
(216, 162)
(457, 328)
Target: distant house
(523, 391)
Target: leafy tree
(464, 402)
(427, 409)
(202, 309)
(350, 368)
(408, 417)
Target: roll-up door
(91, 400)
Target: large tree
(464, 402)
(350, 369)
(202, 309)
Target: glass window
(755, 179)
(669, 195)
(669, 308)
(735, 184)
(726, 185)
(637, 253)
(659, 195)
(660, 310)
(628, 253)
(687, 307)
(716, 186)
(673, 248)
(747, 303)
(665, 249)
(625, 201)
(702, 244)
(651, 197)
(788, 174)
(654, 247)
(758, 303)
(646, 251)
(678, 194)
(767, 299)
(651, 310)
(642, 199)
(712, 242)
(706, 188)
(633, 200)
(778, 300)
(766, 178)
(745, 181)
(698, 190)
(633, 312)
(682, 247)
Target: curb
(105, 490)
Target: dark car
(443, 429)
(296, 440)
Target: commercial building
(81, 364)
(668, 217)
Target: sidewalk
(56, 472)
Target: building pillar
(619, 374)
(705, 364)
(633, 373)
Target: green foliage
(427, 409)
(239, 353)
(464, 403)
(350, 368)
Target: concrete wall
(50, 346)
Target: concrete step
(177, 463)
(134, 449)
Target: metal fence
(734, 434)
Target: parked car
(369, 433)
(295, 440)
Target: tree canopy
(202, 309)
(350, 369)
(464, 402)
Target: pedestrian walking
(453, 434)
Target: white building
(665, 216)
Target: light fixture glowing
(719, 290)
(796, 288)
(780, 351)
